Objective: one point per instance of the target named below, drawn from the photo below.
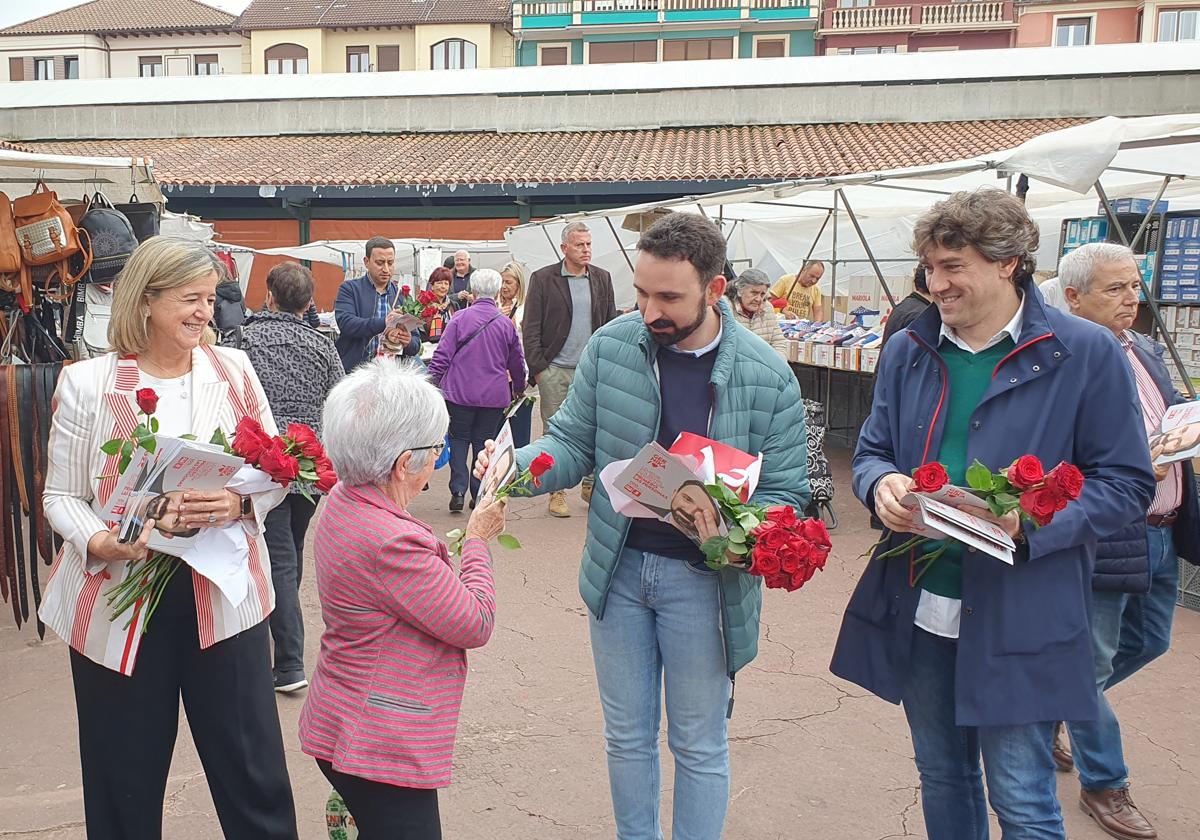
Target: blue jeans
(470, 427)
(662, 625)
(1016, 759)
(1128, 632)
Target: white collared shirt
(938, 614)
(705, 349)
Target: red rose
(764, 561)
(1026, 472)
(789, 559)
(405, 290)
(1040, 504)
(814, 531)
(305, 438)
(326, 477)
(801, 577)
(429, 311)
(930, 477)
(426, 297)
(779, 580)
(275, 462)
(249, 439)
(772, 538)
(147, 400)
(783, 515)
(541, 465)
(1066, 480)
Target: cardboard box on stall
(822, 355)
(869, 359)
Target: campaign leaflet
(502, 468)
(935, 516)
(660, 483)
(1178, 436)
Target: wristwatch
(247, 507)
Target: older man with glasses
(1136, 579)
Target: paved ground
(812, 756)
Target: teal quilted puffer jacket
(613, 410)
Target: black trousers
(284, 529)
(387, 812)
(470, 427)
(128, 726)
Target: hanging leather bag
(12, 277)
(142, 215)
(48, 236)
(111, 237)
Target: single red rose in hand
(1026, 472)
(930, 477)
(305, 438)
(541, 465)
(1066, 480)
(1040, 504)
(249, 439)
(784, 515)
(147, 400)
(275, 462)
(405, 290)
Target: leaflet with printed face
(153, 485)
(1178, 436)
(935, 516)
(502, 467)
(660, 483)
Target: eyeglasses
(438, 448)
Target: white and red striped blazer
(389, 680)
(94, 402)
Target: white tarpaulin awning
(74, 177)
(774, 226)
(348, 253)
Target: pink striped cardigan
(386, 692)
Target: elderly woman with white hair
(748, 294)
(381, 714)
(477, 357)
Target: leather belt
(10, 510)
(8, 574)
(1162, 520)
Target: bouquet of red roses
(295, 456)
(1024, 486)
(521, 485)
(775, 545)
(423, 305)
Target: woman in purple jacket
(477, 354)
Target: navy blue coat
(1064, 394)
(357, 322)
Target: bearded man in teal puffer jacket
(681, 363)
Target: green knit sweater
(969, 377)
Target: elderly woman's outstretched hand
(487, 520)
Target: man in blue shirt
(363, 305)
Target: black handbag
(112, 239)
(143, 216)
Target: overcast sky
(15, 11)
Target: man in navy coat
(985, 656)
(363, 305)
(1136, 580)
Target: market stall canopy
(74, 177)
(776, 226)
(348, 253)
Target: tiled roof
(296, 14)
(119, 16)
(669, 154)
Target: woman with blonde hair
(211, 652)
(510, 302)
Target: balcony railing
(540, 12)
(871, 17)
(916, 17)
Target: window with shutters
(286, 60)
(697, 49)
(150, 65)
(615, 52)
(554, 56)
(453, 54)
(770, 47)
(16, 69)
(358, 59)
(43, 69)
(207, 65)
(388, 60)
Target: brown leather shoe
(1115, 813)
(1062, 750)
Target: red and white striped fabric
(388, 685)
(93, 403)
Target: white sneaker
(289, 687)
